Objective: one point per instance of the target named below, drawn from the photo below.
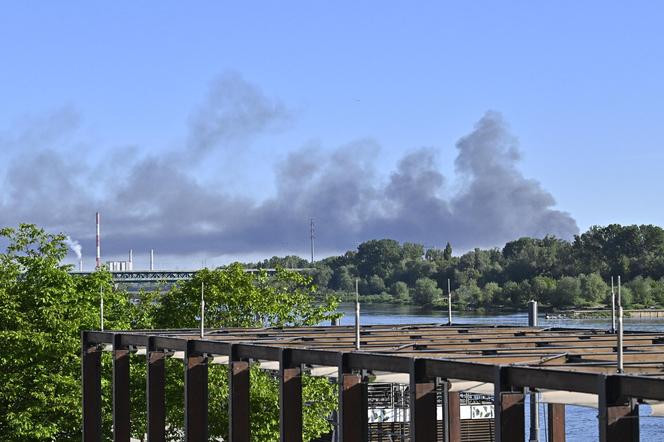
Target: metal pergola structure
(509, 357)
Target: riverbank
(575, 312)
(407, 314)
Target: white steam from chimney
(75, 247)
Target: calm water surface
(581, 422)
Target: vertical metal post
(98, 240)
(556, 422)
(454, 416)
(312, 240)
(619, 346)
(508, 410)
(290, 398)
(353, 411)
(202, 309)
(101, 308)
(357, 316)
(91, 374)
(121, 403)
(613, 308)
(155, 392)
(195, 395)
(534, 417)
(534, 409)
(423, 404)
(618, 416)
(239, 409)
(619, 292)
(532, 313)
(449, 303)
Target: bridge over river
(148, 276)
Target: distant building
(119, 266)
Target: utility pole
(449, 303)
(312, 240)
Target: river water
(581, 422)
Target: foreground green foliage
(555, 272)
(43, 310)
(235, 298)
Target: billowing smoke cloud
(75, 247)
(342, 189)
(234, 111)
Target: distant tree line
(553, 271)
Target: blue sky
(578, 83)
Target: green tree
(322, 275)
(447, 253)
(375, 285)
(400, 292)
(235, 298)
(467, 295)
(542, 288)
(593, 289)
(658, 291)
(490, 293)
(43, 310)
(378, 257)
(567, 293)
(426, 292)
(412, 252)
(642, 291)
(343, 280)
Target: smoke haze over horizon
(176, 202)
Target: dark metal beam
(423, 404)
(121, 402)
(471, 371)
(353, 413)
(247, 351)
(290, 398)
(556, 422)
(239, 379)
(551, 379)
(155, 392)
(454, 416)
(91, 379)
(508, 409)
(641, 387)
(380, 362)
(618, 416)
(195, 396)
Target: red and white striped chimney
(98, 243)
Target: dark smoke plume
(342, 189)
